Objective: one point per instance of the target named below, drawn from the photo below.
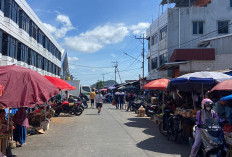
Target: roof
(171, 65)
(193, 54)
(187, 3)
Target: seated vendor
(3, 122)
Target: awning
(171, 65)
(60, 84)
(193, 54)
(160, 84)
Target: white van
(86, 90)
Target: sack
(113, 103)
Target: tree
(99, 84)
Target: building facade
(24, 40)
(182, 27)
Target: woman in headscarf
(205, 113)
(21, 124)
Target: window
(163, 59)
(33, 30)
(22, 53)
(11, 10)
(230, 3)
(163, 32)
(2, 5)
(1, 41)
(223, 27)
(154, 39)
(198, 27)
(154, 63)
(24, 21)
(10, 46)
(40, 37)
(149, 64)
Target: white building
(182, 27)
(25, 41)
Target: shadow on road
(157, 143)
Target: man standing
(92, 96)
(130, 99)
(121, 99)
(99, 101)
(116, 97)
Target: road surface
(113, 133)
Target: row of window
(223, 27)
(198, 28)
(14, 12)
(12, 47)
(163, 34)
(153, 63)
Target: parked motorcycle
(66, 107)
(152, 110)
(136, 105)
(163, 126)
(174, 127)
(213, 144)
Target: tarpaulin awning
(60, 84)
(160, 84)
(24, 87)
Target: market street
(114, 133)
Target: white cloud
(140, 28)
(73, 67)
(66, 26)
(94, 40)
(113, 55)
(73, 59)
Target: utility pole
(142, 52)
(115, 70)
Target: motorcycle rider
(205, 113)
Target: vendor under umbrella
(21, 124)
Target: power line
(85, 66)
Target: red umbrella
(105, 90)
(223, 86)
(1, 90)
(59, 83)
(24, 87)
(160, 84)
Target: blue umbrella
(227, 98)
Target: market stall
(23, 88)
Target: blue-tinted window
(24, 21)
(163, 59)
(223, 27)
(11, 10)
(230, 3)
(2, 5)
(163, 32)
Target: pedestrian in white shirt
(99, 101)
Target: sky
(96, 33)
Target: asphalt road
(113, 133)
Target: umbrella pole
(163, 104)
(45, 106)
(193, 101)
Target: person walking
(99, 101)
(92, 97)
(121, 99)
(130, 99)
(116, 98)
(21, 122)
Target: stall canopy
(198, 81)
(223, 86)
(160, 84)
(59, 83)
(24, 87)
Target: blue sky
(95, 33)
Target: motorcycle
(174, 127)
(152, 110)
(213, 144)
(66, 107)
(163, 126)
(84, 100)
(136, 105)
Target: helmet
(207, 104)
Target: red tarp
(60, 84)
(160, 84)
(24, 87)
